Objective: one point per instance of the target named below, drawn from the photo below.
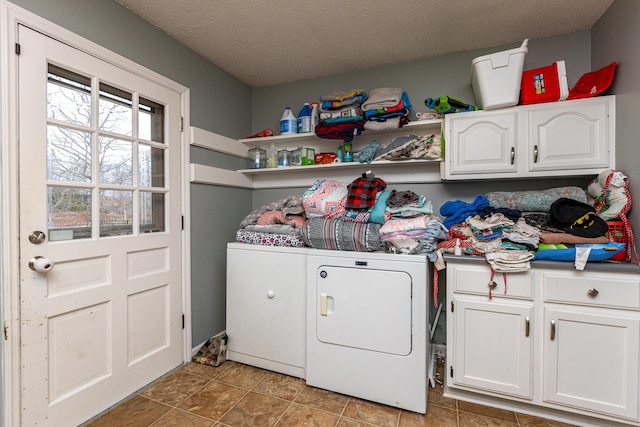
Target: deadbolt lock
(37, 237)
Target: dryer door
(364, 308)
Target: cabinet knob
(270, 294)
(593, 292)
(492, 285)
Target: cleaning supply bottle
(347, 151)
(304, 119)
(315, 115)
(288, 122)
(272, 156)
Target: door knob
(41, 264)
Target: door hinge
(17, 48)
(183, 321)
(6, 332)
(183, 222)
(181, 124)
(452, 306)
(451, 371)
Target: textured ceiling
(267, 42)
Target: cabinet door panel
(575, 138)
(482, 144)
(592, 362)
(266, 297)
(491, 348)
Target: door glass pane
(116, 213)
(115, 110)
(68, 154)
(151, 212)
(151, 166)
(151, 121)
(68, 96)
(69, 212)
(116, 161)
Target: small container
(257, 158)
(347, 152)
(284, 158)
(272, 156)
(296, 157)
(308, 156)
(496, 78)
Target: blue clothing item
(457, 211)
(378, 210)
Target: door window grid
(121, 166)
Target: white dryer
(367, 326)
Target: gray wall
(222, 104)
(219, 103)
(616, 37)
(430, 77)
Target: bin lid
(593, 83)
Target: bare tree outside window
(100, 167)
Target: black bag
(577, 218)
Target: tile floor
(234, 394)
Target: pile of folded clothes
(386, 108)
(341, 115)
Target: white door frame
(10, 16)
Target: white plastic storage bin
(496, 78)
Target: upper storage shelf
(403, 170)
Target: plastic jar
(257, 158)
(284, 158)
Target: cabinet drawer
(474, 279)
(605, 290)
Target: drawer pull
(513, 155)
(535, 154)
(526, 326)
(553, 330)
(593, 292)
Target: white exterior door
(100, 201)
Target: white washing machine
(367, 326)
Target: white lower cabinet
(569, 347)
(266, 307)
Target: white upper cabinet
(551, 139)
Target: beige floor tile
(322, 399)
(533, 421)
(279, 385)
(206, 371)
(372, 413)
(213, 400)
(298, 415)
(175, 388)
(135, 412)
(178, 418)
(468, 419)
(487, 411)
(436, 416)
(348, 422)
(255, 410)
(434, 396)
(241, 375)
